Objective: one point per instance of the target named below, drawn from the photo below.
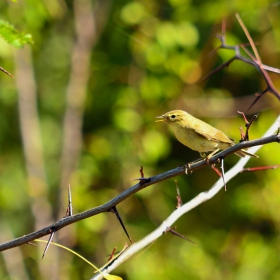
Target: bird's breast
(195, 141)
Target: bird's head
(173, 117)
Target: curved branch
(188, 168)
(199, 199)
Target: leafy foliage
(12, 36)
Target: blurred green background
(81, 111)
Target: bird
(198, 135)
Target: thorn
(179, 199)
(260, 168)
(223, 174)
(142, 172)
(115, 211)
(69, 210)
(142, 179)
(114, 258)
(216, 170)
(6, 72)
(247, 125)
(53, 230)
(242, 134)
(173, 231)
(112, 254)
(226, 64)
(244, 117)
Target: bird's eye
(173, 116)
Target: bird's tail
(243, 153)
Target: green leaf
(12, 36)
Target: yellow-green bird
(198, 135)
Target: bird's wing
(211, 133)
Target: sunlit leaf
(12, 36)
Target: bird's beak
(162, 119)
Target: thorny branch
(188, 168)
(253, 60)
(197, 200)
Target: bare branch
(188, 168)
(255, 61)
(199, 199)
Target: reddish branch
(253, 60)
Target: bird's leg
(203, 155)
(210, 155)
(188, 166)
